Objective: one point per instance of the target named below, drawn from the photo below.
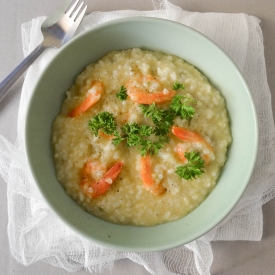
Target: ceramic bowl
(172, 38)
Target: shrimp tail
(146, 176)
(192, 138)
(186, 135)
(142, 96)
(97, 188)
(93, 95)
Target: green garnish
(136, 129)
(149, 140)
(152, 111)
(193, 168)
(118, 138)
(163, 119)
(145, 131)
(104, 121)
(134, 134)
(178, 86)
(180, 108)
(149, 147)
(122, 94)
(138, 135)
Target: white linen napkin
(35, 233)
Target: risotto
(141, 138)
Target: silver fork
(57, 30)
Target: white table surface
(230, 258)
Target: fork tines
(73, 13)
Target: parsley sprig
(134, 134)
(150, 147)
(164, 118)
(178, 86)
(193, 168)
(180, 107)
(143, 137)
(104, 121)
(122, 94)
(148, 139)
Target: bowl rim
(225, 212)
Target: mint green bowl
(171, 38)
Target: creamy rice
(127, 201)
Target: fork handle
(10, 80)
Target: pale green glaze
(171, 38)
